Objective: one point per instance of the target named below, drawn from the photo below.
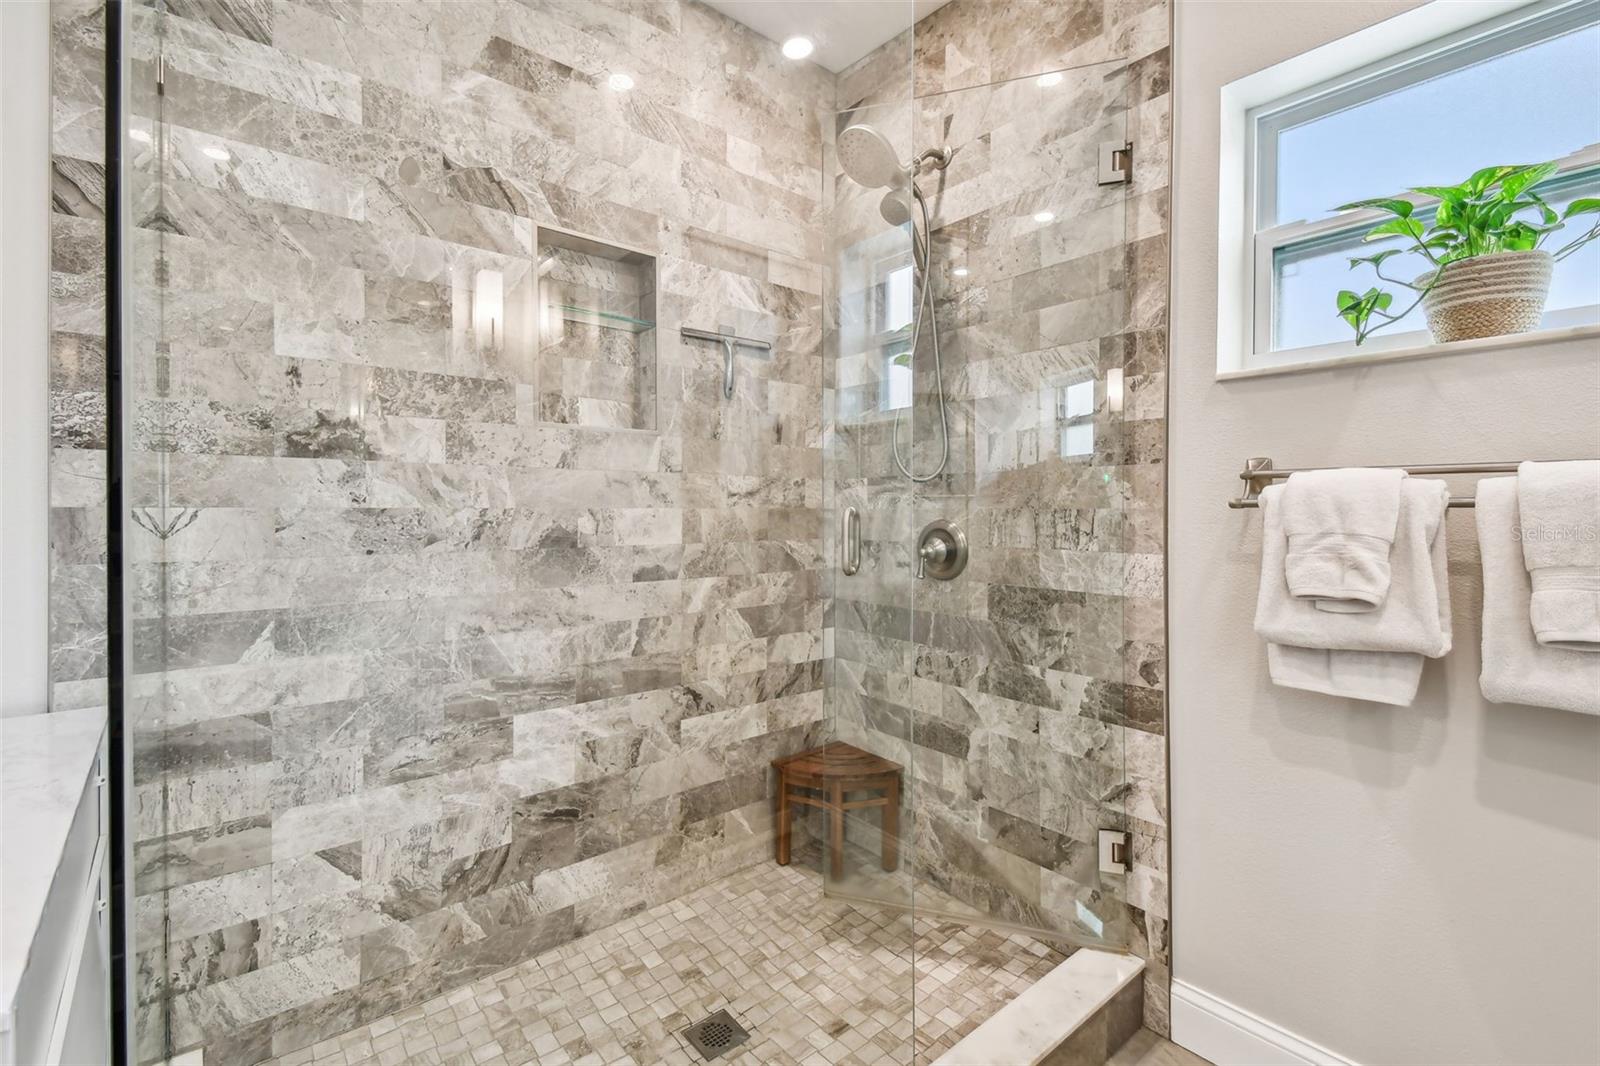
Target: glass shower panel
(1017, 689)
(871, 297)
(1002, 692)
(873, 304)
(169, 846)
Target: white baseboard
(1218, 1031)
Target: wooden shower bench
(825, 778)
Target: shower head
(869, 159)
(896, 206)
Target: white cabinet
(56, 1009)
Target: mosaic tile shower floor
(816, 981)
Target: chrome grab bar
(850, 542)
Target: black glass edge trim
(117, 782)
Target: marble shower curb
(1066, 1018)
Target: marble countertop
(45, 761)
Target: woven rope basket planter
(1488, 296)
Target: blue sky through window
(1540, 102)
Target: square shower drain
(715, 1034)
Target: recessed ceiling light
(798, 47)
(620, 82)
(959, 272)
(216, 151)
(142, 136)
(1044, 216)
(1047, 80)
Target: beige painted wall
(1400, 885)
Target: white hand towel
(1516, 667)
(1560, 534)
(1372, 656)
(1377, 676)
(1410, 619)
(1341, 527)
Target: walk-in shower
(471, 605)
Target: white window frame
(1410, 48)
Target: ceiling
(842, 30)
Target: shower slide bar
(1259, 473)
(729, 342)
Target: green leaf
(1403, 208)
(1347, 299)
(1546, 212)
(1587, 205)
(1512, 185)
(1520, 237)
(1447, 193)
(1375, 259)
(1486, 177)
(1403, 227)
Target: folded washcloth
(1376, 655)
(1560, 534)
(1340, 525)
(1516, 667)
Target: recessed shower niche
(597, 333)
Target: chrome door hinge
(1116, 162)
(161, 72)
(1116, 851)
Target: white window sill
(1590, 331)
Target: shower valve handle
(941, 550)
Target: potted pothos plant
(1490, 272)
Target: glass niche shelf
(608, 319)
(597, 333)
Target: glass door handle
(850, 541)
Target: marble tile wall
(77, 357)
(1027, 696)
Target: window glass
(1538, 103)
(896, 379)
(1077, 440)
(1309, 276)
(897, 309)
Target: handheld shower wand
(870, 160)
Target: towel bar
(1259, 472)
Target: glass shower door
(1009, 693)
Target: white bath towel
(1560, 534)
(1376, 655)
(1341, 527)
(1516, 667)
